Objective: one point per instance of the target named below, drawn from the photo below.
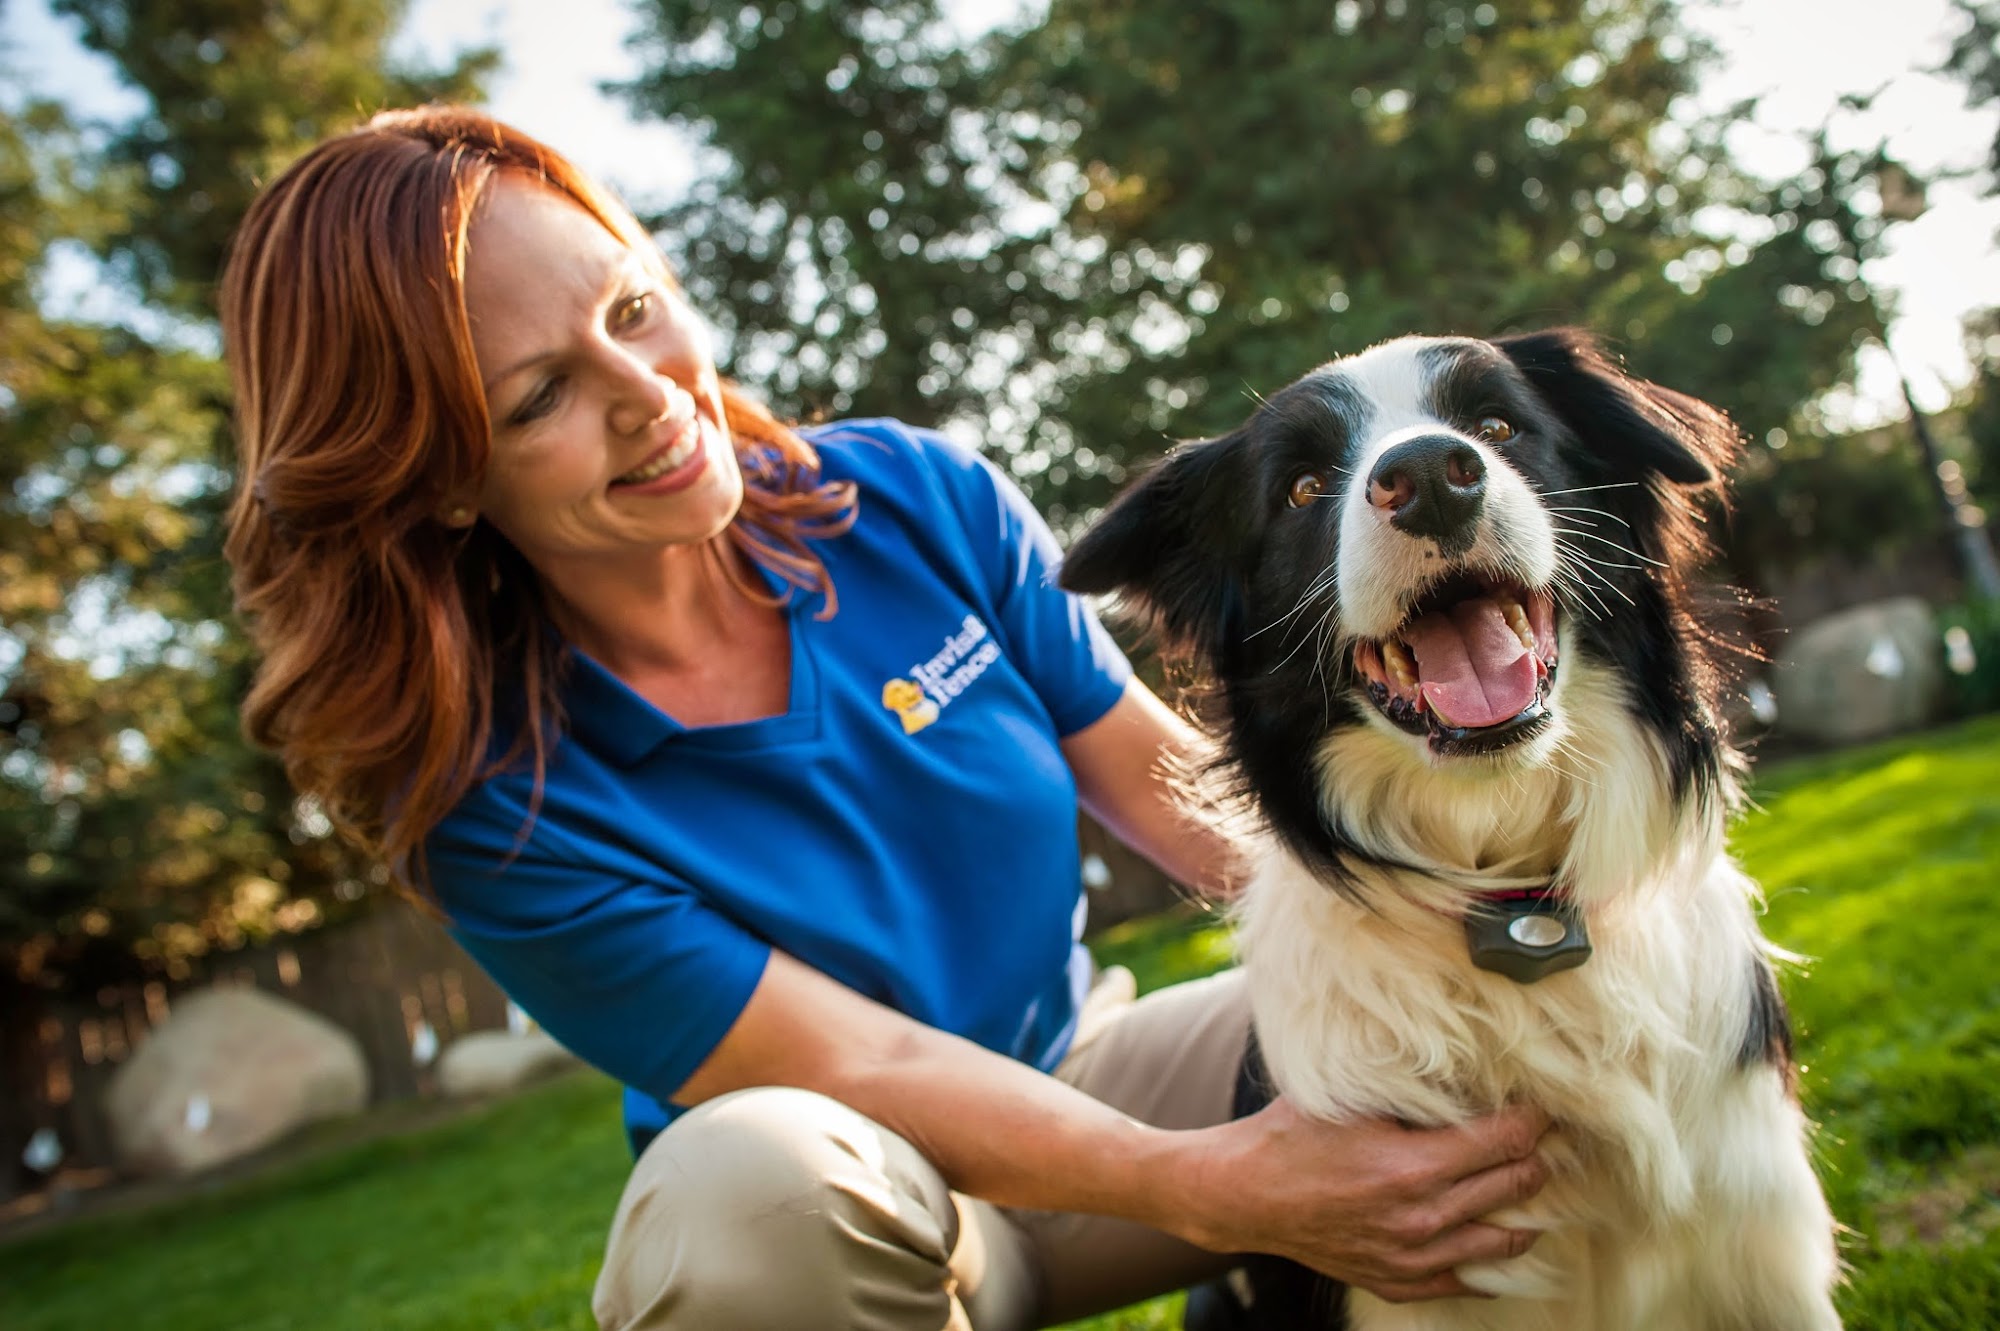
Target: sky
(1799, 56)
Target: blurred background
(1066, 232)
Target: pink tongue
(1473, 670)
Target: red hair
(395, 648)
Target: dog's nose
(1433, 486)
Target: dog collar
(1526, 933)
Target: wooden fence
(380, 978)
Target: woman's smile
(674, 465)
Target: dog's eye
(1493, 430)
(1306, 487)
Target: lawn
(1878, 863)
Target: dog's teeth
(1517, 620)
(1401, 668)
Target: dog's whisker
(1326, 632)
(1586, 489)
(1600, 562)
(1324, 584)
(1303, 640)
(1589, 567)
(1594, 565)
(1623, 549)
(1576, 590)
(1579, 508)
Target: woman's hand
(1388, 1208)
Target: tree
(236, 90)
(847, 238)
(137, 829)
(1151, 214)
(1975, 60)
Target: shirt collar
(607, 717)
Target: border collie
(1446, 595)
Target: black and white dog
(1446, 593)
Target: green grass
(493, 1221)
(1879, 864)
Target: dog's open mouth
(1471, 666)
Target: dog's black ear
(1682, 438)
(1171, 545)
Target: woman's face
(609, 439)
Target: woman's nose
(641, 392)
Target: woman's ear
(459, 508)
(1681, 438)
(1170, 546)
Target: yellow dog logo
(908, 702)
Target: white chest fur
(1671, 1158)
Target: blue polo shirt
(907, 826)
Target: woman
(748, 764)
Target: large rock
(494, 1062)
(1871, 671)
(230, 1070)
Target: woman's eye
(540, 404)
(1494, 430)
(629, 313)
(1306, 487)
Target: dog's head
(1427, 544)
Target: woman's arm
(1371, 1203)
(1123, 763)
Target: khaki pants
(776, 1209)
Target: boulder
(229, 1071)
(1870, 671)
(494, 1062)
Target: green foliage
(1978, 691)
(1182, 944)
(1154, 214)
(1852, 496)
(1975, 58)
(236, 91)
(853, 231)
(137, 830)
(1982, 413)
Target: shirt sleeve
(638, 977)
(1053, 637)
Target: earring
(459, 515)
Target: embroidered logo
(908, 702)
(933, 685)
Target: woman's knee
(779, 1207)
